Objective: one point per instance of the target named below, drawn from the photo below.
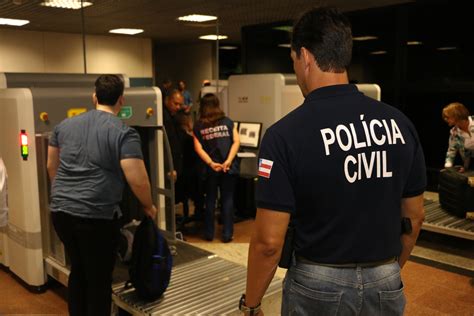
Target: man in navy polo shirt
(347, 169)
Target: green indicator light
(125, 113)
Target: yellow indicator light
(44, 116)
(149, 111)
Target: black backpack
(151, 263)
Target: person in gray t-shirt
(90, 156)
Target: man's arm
(137, 177)
(53, 162)
(413, 209)
(264, 252)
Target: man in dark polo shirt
(173, 103)
(89, 158)
(346, 169)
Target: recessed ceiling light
(447, 48)
(197, 18)
(286, 28)
(284, 45)
(66, 4)
(228, 47)
(413, 43)
(364, 38)
(212, 37)
(126, 31)
(378, 52)
(13, 22)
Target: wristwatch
(252, 311)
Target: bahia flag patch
(264, 167)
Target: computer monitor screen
(250, 134)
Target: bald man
(173, 104)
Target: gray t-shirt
(89, 181)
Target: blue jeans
(319, 290)
(226, 182)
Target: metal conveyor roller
(440, 221)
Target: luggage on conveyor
(456, 191)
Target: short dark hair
(108, 89)
(327, 34)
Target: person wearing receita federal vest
(216, 141)
(348, 170)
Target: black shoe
(226, 240)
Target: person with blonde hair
(461, 138)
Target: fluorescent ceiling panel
(364, 38)
(414, 43)
(13, 22)
(447, 48)
(213, 37)
(197, 18)
(66, 4)
(228, 47)
(126, 31)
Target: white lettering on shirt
(364, 165)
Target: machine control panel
(52, 105)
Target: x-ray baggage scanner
(266, 98)
(28, 117)
(51, 80)
(34, 250)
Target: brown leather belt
(349, 265)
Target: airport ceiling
(159, 18)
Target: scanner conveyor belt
(207, 286)
(440, 221)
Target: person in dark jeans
(89, 158)
(187, 184)
(216, 141)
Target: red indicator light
(24, 139)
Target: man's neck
(328, 79)
(106, 108)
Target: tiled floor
(430, 291)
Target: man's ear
(308, 58)
(121, 100)
(94, 99)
